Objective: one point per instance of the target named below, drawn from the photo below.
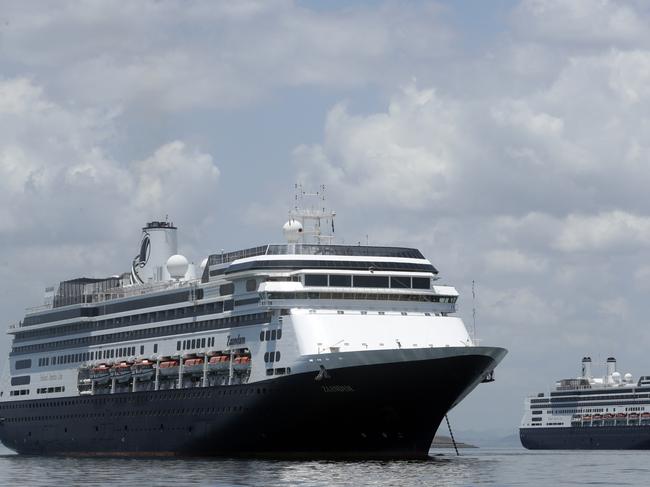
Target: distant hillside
(441, 441)
(500, 439)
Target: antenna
(316, 219)
(473, 310)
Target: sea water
(482, 466)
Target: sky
(508, 140)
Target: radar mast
(316, 220)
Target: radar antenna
(316, 219)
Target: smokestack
(586, 367)
(157, 245)
(611, 368)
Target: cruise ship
(305, 349)
(590, 413)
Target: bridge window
(370, 281)
(316, 280)
(339, 280)
(225, 289)
(421, 283)
(400, 281)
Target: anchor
(322, 374)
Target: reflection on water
(507, 467)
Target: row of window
(159, 331)
(49, 390)
(364, 296)
(23, 364)
(272, 356)
(150, 412)
(131, 320)
(20, 380)
(315, 249)
(578, 405)
(247, 302)
(279, 371)
(19, 392)
(121, 352)
(195, 343)
(134, 402)
(381, 313)
(268, 335)
(130, 305)
(341, 280)
(328, 264)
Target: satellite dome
(628, 377)
(616, 376)
(177, 266)
(292, 230)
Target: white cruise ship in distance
(589, 413)
(305, 348)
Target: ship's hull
(375, 410)
(587, 438)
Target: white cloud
(513, 260)
(175, 180)
(178, 55)
(615, 231)
(616, 307)
(400, 158)
(57, 178)
(519, 310)
(599, 22)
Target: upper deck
(80, 298)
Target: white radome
(177, 266)
(292, 231)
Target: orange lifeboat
(217, 363)
(143, 370)
(169, 368)
(100, 374)
(193, 366)
(121, 372)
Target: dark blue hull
(586, 438)
(384, 410)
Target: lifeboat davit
(143, 371)
(169, 368)
(100, 374)
(121, 372)
(193, 366)
(218, 363)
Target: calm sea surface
(482, 466)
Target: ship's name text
(238, 340)
(337, 388)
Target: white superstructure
(246, 316)
(614, 399)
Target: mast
(311, 211)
